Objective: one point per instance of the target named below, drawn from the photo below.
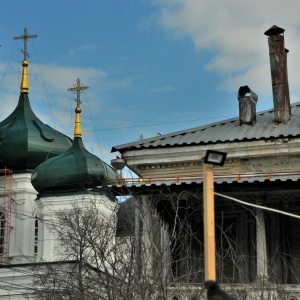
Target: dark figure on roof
(215, 293)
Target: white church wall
(47, 208)
(17, 203)
(23, 218)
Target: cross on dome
(25, 37)
(77, 89)
(24, 88)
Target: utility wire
(258, 206)
(94, 127)
(155, 124)
(44, 85)
(4, 74)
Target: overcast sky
(152, 66)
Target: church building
(42, 171)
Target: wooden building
(255, 247)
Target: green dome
(26, 142)
(76, 169)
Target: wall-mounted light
(215, 157)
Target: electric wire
(49, 103)
(155, 124)
(16, 286)
(56, 222)
(98, 142)
(258, 206)
(147, 125)
(5, 72)
(44, 85)
(94, 128)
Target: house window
(2, 233)
(36, 235)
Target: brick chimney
(247, 105)
(278, 63)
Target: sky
(152, 66)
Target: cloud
(61, 77)
(232, 32)
(80, 49)
(163, 89)
(117, 84)
(10, 101)
(49, 95)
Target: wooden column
(209, 222)
(261, 246)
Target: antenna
(25, 37)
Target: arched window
(2, 233)
(36, 235)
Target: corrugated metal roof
(219, 179)
(224, 131)
(199, 181)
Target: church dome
(75, 169)
(25, 141)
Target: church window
(2, 233)
(36, 235)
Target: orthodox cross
(25, 37)
(77, 89)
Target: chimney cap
(243, 90)
(274, 30)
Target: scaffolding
(5, 213)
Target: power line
(258, 206)
(155, 124)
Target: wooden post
(209, 222)
(261, 246)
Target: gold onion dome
(25, 141)
(74, 170)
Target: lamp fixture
(215, 157)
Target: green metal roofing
(26, 142)
(76, 169)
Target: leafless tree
(155, 252)
(94, 263)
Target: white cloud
(10, 101)
(233, 32)
(80, 49)
(49, 97)
(61, 78)
(117, 84)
